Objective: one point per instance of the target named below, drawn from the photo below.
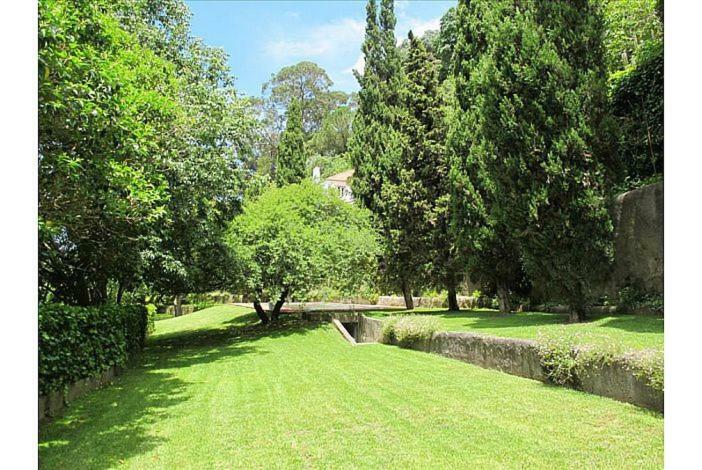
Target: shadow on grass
(489, 318)
(492, 319)
(635, 324)
(105, 427)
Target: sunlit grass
(214, 390)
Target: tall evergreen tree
(377, 145)
(291, 150)
(483, 232)
(420, 199)
(532, 79)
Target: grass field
(213, 390)
(631, 331)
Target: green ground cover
(213, 390)
(631, 331)
(162, 316)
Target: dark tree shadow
(481, 319)
(636, 324)
(490, 318)
(107, 426)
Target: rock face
(638, 242)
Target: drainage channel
(349, 330)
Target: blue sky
(263, 36)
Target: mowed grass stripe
(235, 395)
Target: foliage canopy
(299, 237)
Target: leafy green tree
(102, 131)
(333, 136)
(538, 144)
(310, 85)
(141, 137)
(630, 27)
(297, 238)
(446, 42)
(637, 105)
(637, 92)
(291, 151)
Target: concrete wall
(187, 309)
(616, 380)
(513, 356)
(52, 404)
(638, 241)
(521, 357)
(370, 330)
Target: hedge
(408, 330)
(81, 342)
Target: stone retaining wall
(370, 330)
(604, 310)
(638, 239)
(513, 356)
(187, 309)
(50, 405)
(616, 380)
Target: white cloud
(401, 8)
(358, 66)
(323, 40)
(418, 27)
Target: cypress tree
(484, 235)
(423, 190)
(291, 149)
(365, 140)
(377, 144)
(532, 78)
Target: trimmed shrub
(80, 342)
(408, 330)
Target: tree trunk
(503, 297)
(260, 312)
(120, 291)
(577, 314)
(407, 293)
(279, 304)
(452, 298)
(178, 305)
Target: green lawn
(162, 316)
(631, 331)
(214, 391)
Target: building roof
(342, 177)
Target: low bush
(635, 298)
(203, 305)
(566, 358)
(648, 366)
(408, 330)
(81, 342)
